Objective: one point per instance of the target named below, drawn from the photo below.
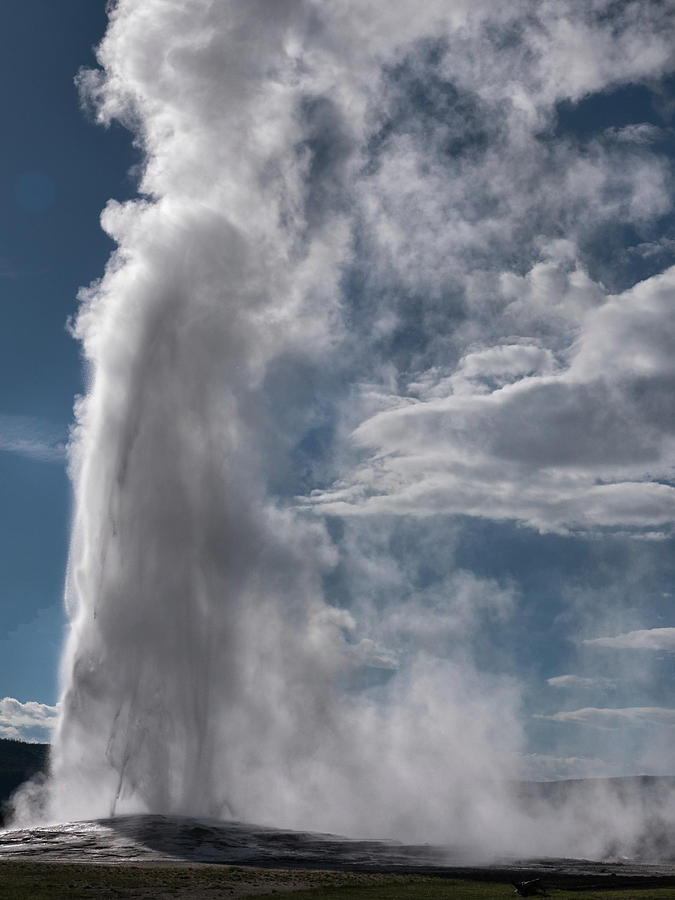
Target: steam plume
(286, 226)
(203, 666)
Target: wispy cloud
(370, 654)
(32, 438)
(580, 681)
(545, 767)
(641, 133)
(644, 639)
(30, 721)
(614, 718)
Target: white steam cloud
(204, 669)
(317, 241)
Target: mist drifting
(357, 283)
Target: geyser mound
(171, 839)
(152, 837)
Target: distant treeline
(18, 762)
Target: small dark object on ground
(529, 888)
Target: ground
(39, 881)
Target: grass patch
(51, 881)
(447, 889)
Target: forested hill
(18, 761)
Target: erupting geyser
(351, 284)
(204, 668)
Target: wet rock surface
(153, 839)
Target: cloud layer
(29, 721)
(505, 436)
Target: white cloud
(31, 438)
(372, 655)
(579, 449)
(647, 249)
(615, 718)
(642, 133)
(534, 394)
(579, 681)
(643, 639)
(544, 767)
(481, 371)
(31, 721)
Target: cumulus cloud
(643, 639)
(579, 449)
(524, 389)
(30, 721)
(481, 371)
(615, 718)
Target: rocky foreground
(147, 840)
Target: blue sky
(485, 434)
(58, 170)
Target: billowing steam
(332, 195)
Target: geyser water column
(189, 662)
(202, 667)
